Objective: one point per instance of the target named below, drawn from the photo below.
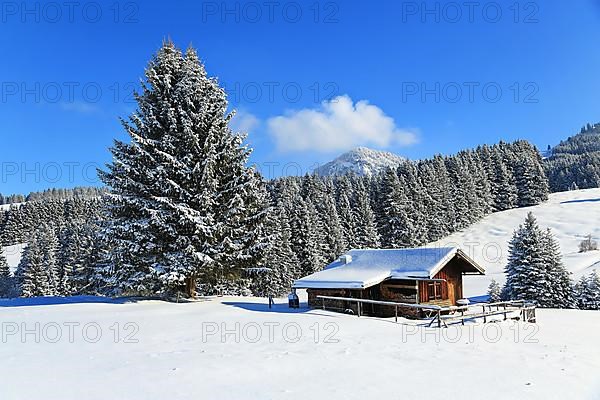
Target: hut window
(434, 291)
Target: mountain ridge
(361, 161)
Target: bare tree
(588, 244)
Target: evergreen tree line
(12, 199)
(315, 219)
(19, 223)
(575, 162)
(53, 194)
(61, 254)
(535, 272)
(59, 262)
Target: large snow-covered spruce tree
(183, 204)
(535, 270)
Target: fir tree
(494, 292)
(559, 288)
(281, 264)
(366, 230)
(5, 276)
(587, 292)
(37, 272)
(79, 259)
(346, 214)
(397, 227)
(525, 271)
(414, 207)
(504, 191)
(335, 238)
(528, 183)
(183, 204)
(534, 270)
(306, 238)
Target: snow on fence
(526, 309)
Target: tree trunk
(190, 287)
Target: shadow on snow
(281, 308)
(580, 201)
(55, 300)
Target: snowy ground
(570, 215)
(235, 348)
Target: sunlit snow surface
(236, 348)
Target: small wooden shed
(416, 276)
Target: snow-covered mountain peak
(360, 161)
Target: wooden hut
(413, 276)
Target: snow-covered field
(570, 215)
(235, 348)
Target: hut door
(451, 290)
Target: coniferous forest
(183, 213)
(575, 162)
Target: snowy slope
(168, 352)
(360, 161)
(570, 215)
(13, 255)
(6, 207)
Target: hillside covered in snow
(570, 215)
(360, 161)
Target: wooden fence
(359, 303)
(441, 315)
(525, 309)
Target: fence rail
(359, 303)
(525, 308)
(526, 311)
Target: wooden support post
(484, 316)
(462, 316)
(396, 316)
(358, 307)
(439, 318)
(323, 302)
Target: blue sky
(310, 79)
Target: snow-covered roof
(372, 266)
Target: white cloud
(244, 121)
(337, 125)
